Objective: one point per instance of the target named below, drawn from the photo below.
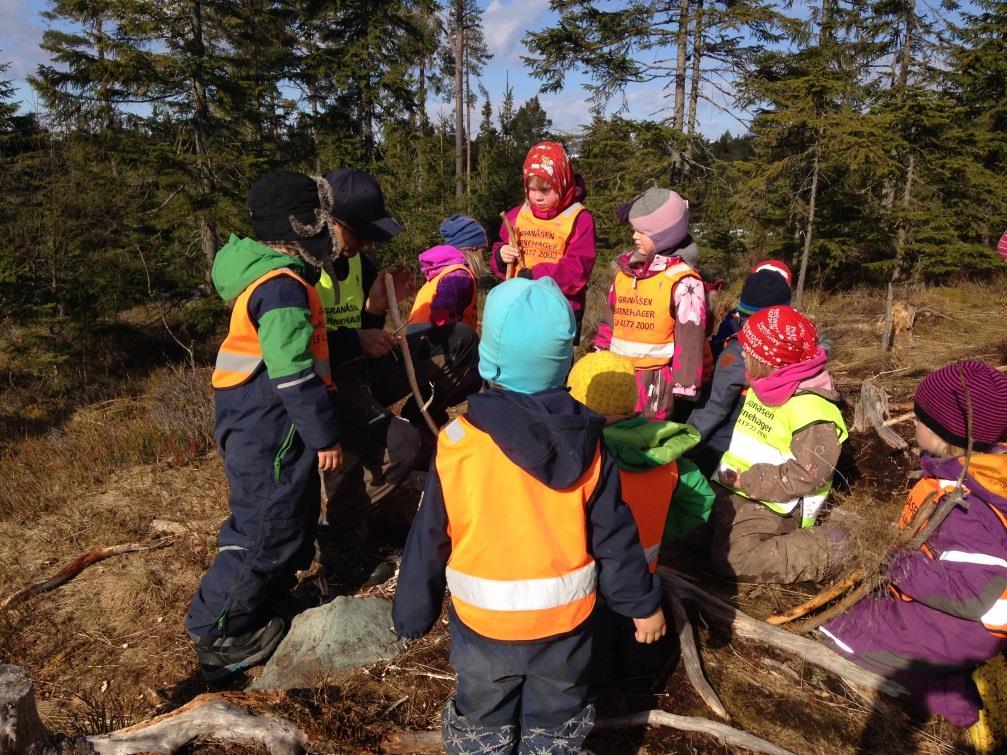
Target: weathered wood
(210, 715)
(514, 241)
(818, 600)
(407, 357)
(75, 567)
(872, 411)
(690, 657)
(721, 732)
(20, 726)
(745, 627)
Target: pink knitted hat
(942, 403)
(663, 216)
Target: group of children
(548, 500)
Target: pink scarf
(437, 258)
(778, 388)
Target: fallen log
(690, 657)
(404, 742)
(75, 567)
(209, 715)
(817, 601)
(744, 626)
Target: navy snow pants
(528, 697)
(274, 501)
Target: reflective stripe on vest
(520, 571)
(420, 312)
(648, 495)
(343, 301)
(544, 240)
(762, 435)
(241, 353)
(643, 326)
(995, 619)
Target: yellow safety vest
(762, 435)
(343, 301)
(544, 240)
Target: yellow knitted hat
(604, 382)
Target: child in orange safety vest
(942, 610)
(523, 521)
(657, 305)
(555, 232)
(668, 495)
(449, 295)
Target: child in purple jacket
(943, 609)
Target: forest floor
(109, 648)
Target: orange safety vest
(648, 495)
(420, 312)
(995, 619)
(544, 240)
(643, 326)
(520, 571)
(241, 353)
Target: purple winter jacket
(933, 643)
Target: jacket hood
(548, 434)
(639, 444)
(242, 261)
(986, 477)
(630, 264)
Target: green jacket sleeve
(691, 503)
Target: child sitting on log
(778, 469)
(657, 307)
(943, 608)
(555, 232)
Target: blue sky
(506, 23)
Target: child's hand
(650, 629)
(330, 459)
(729, 477)
(375, 342)
(509, 254)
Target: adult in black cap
(275, 424)
(382, 448)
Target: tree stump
(20, 726)
(871, 413)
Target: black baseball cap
(359, 203)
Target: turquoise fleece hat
(527, 338)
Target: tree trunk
(682, 43)
(200, 131)
(459, 44)
(810, 225)
(887, 335)
(468, 140)
(697, 59)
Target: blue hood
(547, 434)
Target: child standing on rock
(522, 519)
(778, 469)
(944, 611)
(657, 306)
(555, 232)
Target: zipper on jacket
(278, 460)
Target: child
(449, 295)
(275, 425)
(945, 609)
(778, 468)
(718, 411)
(522, 519)
(657, 306)
(732, 321)
(555, 231)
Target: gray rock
(325, 641)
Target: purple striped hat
(942, 405)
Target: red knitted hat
(942, 404)
(779, 336)
(777, 266)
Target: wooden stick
(512, 239)
(746, 627)
(393, 308)
(853, 578)
(899, 420)
(690, 657)
(207, 715)
(402, 742)
(75, 567)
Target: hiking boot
(222, 657)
